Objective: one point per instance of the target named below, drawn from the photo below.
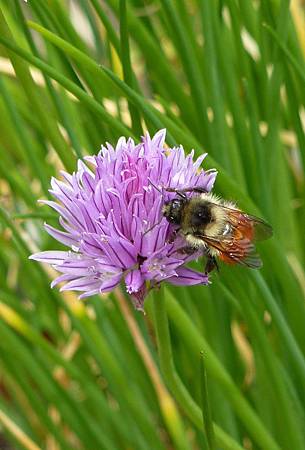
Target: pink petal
(51, 257)
(188, 277)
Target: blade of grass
(112, 36)
(89, 386)
(17, 432)
(158, 65)
(26, 80)
(75, 417)
(290, 57)
(282, 327)
(127, 69)
(207, 12)
(205, 406)
(251, 421)
(98, 346)
(69, 85)
(192, 71)
(196, 341)
(34, 161)
(20, 378)
(291, 434)
(169, 410)
(56, 97)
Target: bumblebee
(217, 227)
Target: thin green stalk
(174, 382)
(74, 416)
(98, 346)
(192, 71)
(273, 100)
(19, 375)
(15, 181)
(136, 99)
(69, 85)
(35, 215)
(196, 342)
(219, 126)
(291, 58)
(34, 161)
(294, 108)
(206, 410)
(89, 386)
(98, 86)
(291, 433)
(93, 21)
(58, 99)
(127, 69)
(158, 64)
(26, 80)
(282, 327)
(113, 38)
(258, 167)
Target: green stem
(174, 382)
(196, 343)
(129, 77)
(282, 326)
(206, 410)
(290, 434)
(70, 86)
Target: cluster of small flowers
(111, 218)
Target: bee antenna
(158, 223)
(157, 189)
(154, 226)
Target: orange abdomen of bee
(226, 259)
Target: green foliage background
(224, 77)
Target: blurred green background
(225, 77)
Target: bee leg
(202, 190)
(181, 192)
(187, 250)
(172, 236)
(211, 264)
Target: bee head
(201, 214)
(172, 210)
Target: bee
(217, 227)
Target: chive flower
(110, 214)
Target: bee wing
(235, 251)
(262, 230)
(249, 226)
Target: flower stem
(168, 407)
(175, 384)
(206, 410)
(196, 342)
(284, 331)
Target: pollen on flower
(105, 209)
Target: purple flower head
(110, 214)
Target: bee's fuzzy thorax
(212, 198)
(218, 213)
(216, 200)
(218, 223)
(213, 211)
